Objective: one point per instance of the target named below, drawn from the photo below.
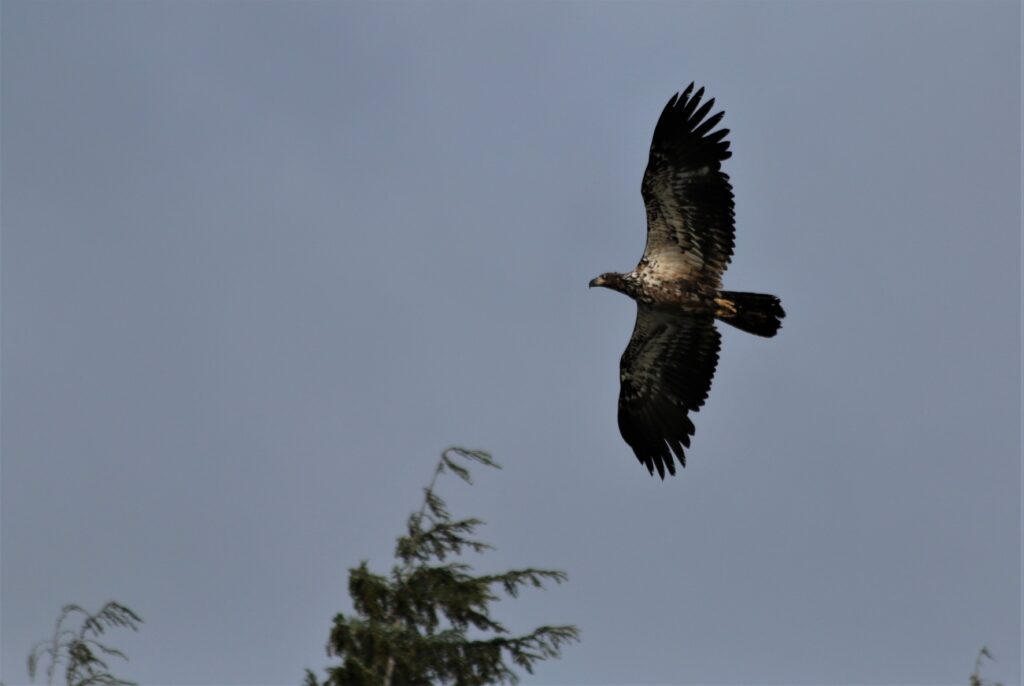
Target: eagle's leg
(724, 308)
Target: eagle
(666, 370)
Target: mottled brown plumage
(667, 368)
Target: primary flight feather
(666, 370)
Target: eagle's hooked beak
(599, 281)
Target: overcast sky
(261, 262)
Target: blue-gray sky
(261, 262)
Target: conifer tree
(80, 650)
(976, 679)
(429, 622)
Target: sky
(262, 262)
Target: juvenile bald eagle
(666, 370)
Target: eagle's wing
(665, 373)
(690, 229)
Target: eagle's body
(667, 367)
(650, 285)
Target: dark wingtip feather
(717, 135)
(684, 129)
(677, 98)
(678, 450)
(709, 124)
(688, 105)
(658, 456)
(685, 94)
(699, 115)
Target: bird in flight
(666, 370)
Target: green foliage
(413, 627)
(80, 650)
(976, 679)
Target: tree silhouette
(429, 622)
(976, 679)
(80, 650)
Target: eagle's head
(612, 280)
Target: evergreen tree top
(413, 626)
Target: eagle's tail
(756, 313)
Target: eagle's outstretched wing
(665, 373)
(690, 231)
